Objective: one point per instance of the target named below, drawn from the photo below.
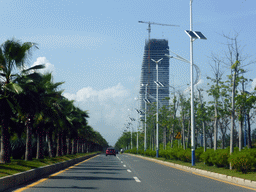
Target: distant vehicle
(110, 151)
(116, 151)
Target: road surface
(126, 173)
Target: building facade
(154, 49)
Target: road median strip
(17, 179)
(216, 176)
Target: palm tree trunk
(50, 143)
(74, 146)
(5, 142)
(39, 152)
(77, 145)
(28, 153)
(59, 145)
(64, 143)
(69, 146)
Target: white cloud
(107, 108)
(48, 66)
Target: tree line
(32, 108)
(221, 108)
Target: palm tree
(13, 54)
(47, 98)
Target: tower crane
(149, 26)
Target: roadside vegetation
(37, 122)
(224, 116)
(243, 162)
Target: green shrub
(148, 152)
(153, 153)
(173, 153)
(206, 157)
(220, 158)
(184, 155)
(162, 153)
(140, 151)
(241, 161)
(167, 154)
(198, 152)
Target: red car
(110, 151)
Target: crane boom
(157, 23)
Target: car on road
(110, 151)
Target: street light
(158, 84)
(132, 119)
(146, 102)
(193, 36)
(137, 128)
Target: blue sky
(96, 47)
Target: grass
(222, 170)
(18, 165)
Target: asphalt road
(126, 173)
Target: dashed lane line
(136, 179)
(129, 170)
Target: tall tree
(13, 54)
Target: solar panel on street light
(191, 34)
(199, 35)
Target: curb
(236, 180)
(11, 181)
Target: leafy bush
(198, 152)
(153, 153)
(220, 158)
(148, 152)
(162, 153)
(140, 151)
(206, 157)
(184, 155)
(172, 153)
(241, 161)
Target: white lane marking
(124, 165)
(117, 157)
(129, 170)
(121, 161)
(136, 179)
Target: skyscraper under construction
(154, 49)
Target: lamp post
(193, 36)
(137, 146)
(158, 84)
(146, 102)
(132, 119)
